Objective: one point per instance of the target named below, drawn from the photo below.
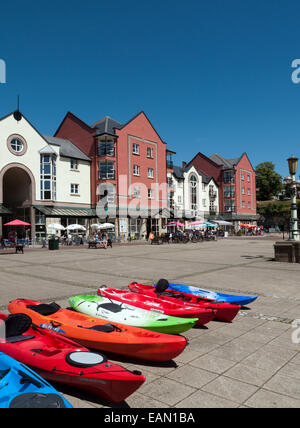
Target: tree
(268, 181)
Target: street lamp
(294, 232)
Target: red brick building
(128, 173)
(237, 186)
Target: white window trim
(76, 186)
(150, 173)
(136, 170)
(135, 146)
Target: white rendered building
(42, 179)
(192, 194)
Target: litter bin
(53, 244)
(284, 252)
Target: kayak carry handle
(25, 378)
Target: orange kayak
(98, 334)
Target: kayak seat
(45, 309)
(111, 307)
(15, 326)
(162, 286)
(106, 328)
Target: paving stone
(267, 399)
(212, 364)
(201, 399)
(230, 389)
(253, 375)
(168, 391)
(283, 384)
(192, 376)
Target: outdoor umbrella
(75, 227)
(55, 226)
(208, 224)
(223, 223)
(17, 223)
(106, 226)
(175, 223)
(197, 223)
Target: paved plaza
(252, 362)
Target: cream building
(42, 179)
(192, 194)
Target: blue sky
(213, 76)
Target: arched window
(193, 192)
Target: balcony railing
(229, 194)
(230, 209)
(228, 180)
(105, 151)
(106, 175)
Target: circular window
(16, 145)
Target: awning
(66, 211)
(4, 210)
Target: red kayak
(58, 359)
(222, 311)
(154, 304)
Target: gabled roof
(178, 172)
(67, 148)
(47, 150)
(107, 125)
(137, 115)
(225, 163)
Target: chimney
(183, 164)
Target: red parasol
(17, 223)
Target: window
(229, 192)
(106, 148)
(243, 204)
(136, 192)
(229, 177)
(150, 194)
(135, 149)
(48, 177)
(193, 192)
(149, 152)
(248, 178)
(16, 145)
(229, 206)
(249, 192)
(136, 170)
(74, 164)
(204, 202)
(179, 199)
(150, 173)
(242, 176)
(135, 228)
(249, 204)
(75, 189)
(106, 170)
(243, 190)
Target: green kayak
(114, 311)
